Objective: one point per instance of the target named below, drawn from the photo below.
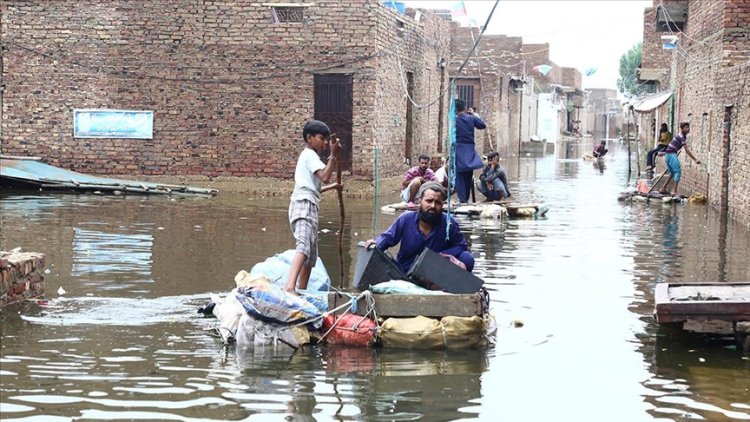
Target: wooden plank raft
(678, 302)
(407, 306)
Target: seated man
(493, 182)
(441, 174)
(415, 177)
(426, 228)
(600, 150)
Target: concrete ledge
(21, 276)
(273, 187)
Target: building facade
(230, 83)
(709, 68)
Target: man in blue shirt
(426, 228)
(467, 159)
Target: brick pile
(20, 276)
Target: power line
(466, 60)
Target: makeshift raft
(676, 303)
(259, 312)
(486, 210)
(30, 172)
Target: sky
(581, 34)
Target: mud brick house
(230, 83)
(708, 72)
(603, 113)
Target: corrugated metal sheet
(33, 172)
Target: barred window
(286, 14)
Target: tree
(627, 83)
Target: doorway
(333, 105)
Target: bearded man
(426, 228)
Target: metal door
(333, 105)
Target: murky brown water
(125, 341)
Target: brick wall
(709, 71)
(496, 60)
(417, 49)
(654, 55)
(230, 89)
(571, 77)
(20, 276)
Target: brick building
(230, 83)
(708, 72)
(602, 116)
(491, 82)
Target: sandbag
(350, 329)
(251, 331)
(697, 198)
(427, 333)
(493, 211)
(228, 311)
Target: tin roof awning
(648, 103)
(32, 172)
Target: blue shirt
(406, 231)
(467, 158)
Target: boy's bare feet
(292, 292)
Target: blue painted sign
(113, 124)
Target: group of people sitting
(492, 183)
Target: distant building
(603, 113)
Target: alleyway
(126, 337)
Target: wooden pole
(341, 226)
(630, 160)
(638, 156)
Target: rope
(367, 295)
(334, 310)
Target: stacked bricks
(20, 276)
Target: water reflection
(118, 254)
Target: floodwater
(125, 341)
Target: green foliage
(627, 83)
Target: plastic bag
(402, 287)
(270, 303)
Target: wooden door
(333, 105)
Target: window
(287, 14)
(466, 93)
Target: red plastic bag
(350, 329)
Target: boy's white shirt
(306, 184)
